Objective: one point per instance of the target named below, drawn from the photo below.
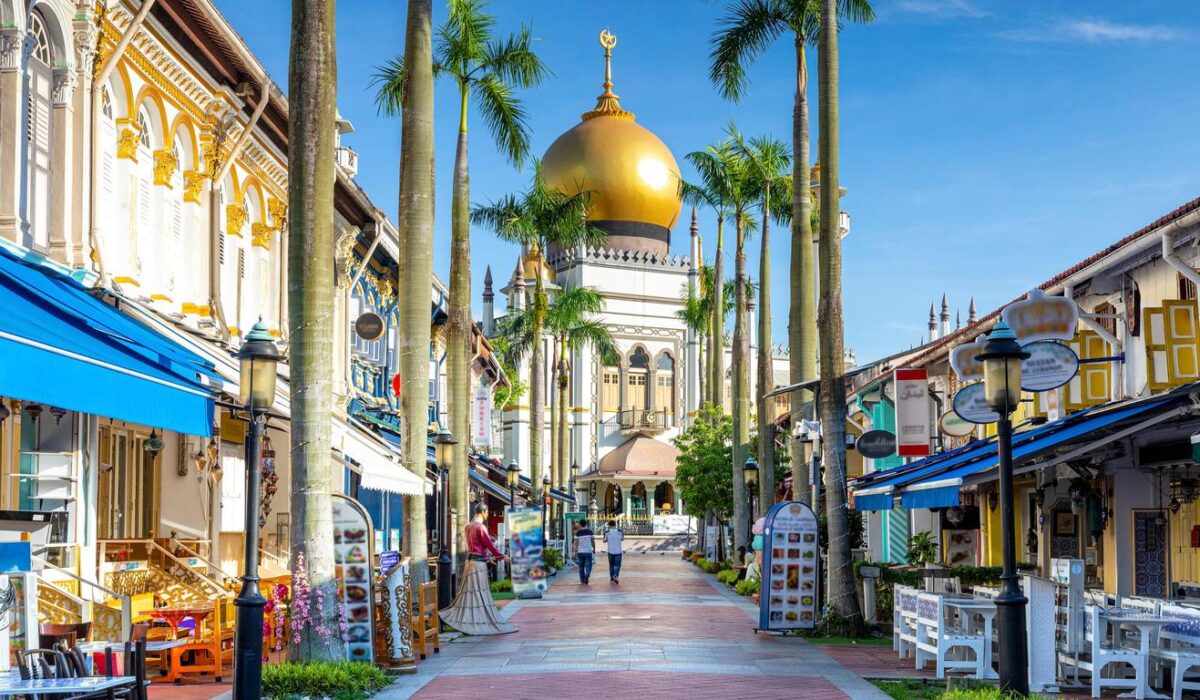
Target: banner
(481, 419)
(790, 566)
(912, 413)
(353, 554)
(525, 548)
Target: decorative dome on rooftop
(631, 174)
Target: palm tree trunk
(766, 373)
(741, 388)
(312, 86)
(564, 380)
(537, 386)
(458, 334)
(802, 319)
(552, 393)
(415, 224)
(718, 336)
(842, 595)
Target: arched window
(173, 219)
(664, 384)
(637, 392)
(145, 253)
(610, 391)
(40, 82)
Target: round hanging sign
(369, 326)
(876, 444)
(970, 405)
(953, 425)
(1049, 365)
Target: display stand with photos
(354, 555)
(791, 567)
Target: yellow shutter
(1183, 363)
(1154, 336)
(1094, 378)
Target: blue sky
(986, 144)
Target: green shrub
(697, 558)
(747, 587)
(554, 558)
(343, 680)
(727, 577)
(504, 585)
(980, 693)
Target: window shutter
(1183, 363)
(145, 236)
(1091, 386)
(1154, 334)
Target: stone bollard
(870, 575)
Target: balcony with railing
(644, 419)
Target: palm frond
(388, 81)
(512, 60)
(594, 334)
(742, 35)
(507, 217)
(517, 329)
(504, 116)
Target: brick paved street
(665, 630)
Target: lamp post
(259, 358)
(750, 476)
(443, 445)
(574, 493)
(545, 508)
(1001, 358)
(513, 474)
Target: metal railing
(164, 572)
(629, 524)
(644, 419)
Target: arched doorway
(637, 500)
(613, 504)
(664, 497)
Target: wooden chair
(426, 622)
(51, 632)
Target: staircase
(66, 598)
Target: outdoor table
(1145, 623)
(176, 615)
(11, 684)
(154, 646)
(986, 609)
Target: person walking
(473, 610)
(585, 550)
(614, 537)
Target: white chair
(904, 619)
(1105, 653)
(935, 639)
(1178, 646)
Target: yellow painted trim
(126, 280)
(160, 297)
(154, 95)
(184, 123)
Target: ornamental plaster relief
(165, 164)
(260, 235)
(235, 219)
(193, 185)
(12, 44)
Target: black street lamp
(545, 505)
(513, 473)
(1001, 360)
(259, 359)
(574, 494)
(444, 444)
(750, 477)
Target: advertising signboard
(790, 568)
(354, 558)
(912, 413)
(876, 444)
(1049, 365)
(953, 425)
(971, 405)
(525, 547)
(481, 418)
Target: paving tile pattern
(666, 630)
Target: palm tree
(832, 389)
(768, 161)
(312, 86)
(725, 168)
(415, 224)
(485, 69)
(745, 33)
(538, 218)
(696, 315)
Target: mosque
(622, 412)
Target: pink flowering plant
(305, 608)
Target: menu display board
(525, 548)
(354, 557)
(790, 567)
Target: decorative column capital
(63, 87)
(85, 37)
(260, 235)
(193, 185)
(12, 44)
(128, 139)
(165, 164)
(235, 219)
(278, 211)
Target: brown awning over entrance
(640, 455)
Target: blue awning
(934, 482)
(61, 346)
(482, 481)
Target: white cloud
(942, 8)
(1094, 31)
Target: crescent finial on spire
(608, 104)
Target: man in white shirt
(614, 537)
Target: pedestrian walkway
(666, 630)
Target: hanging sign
(970, 405)
(790, 567)
(1049, 365)
(481, 416)
(953, 425)
(1039, 317)
(369, 326)
(525, 547)
(354, 558)
(876, 444)
(963, 362)
(912, 413)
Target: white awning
(377, 462)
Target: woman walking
(473, 610)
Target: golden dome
(630, 172)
